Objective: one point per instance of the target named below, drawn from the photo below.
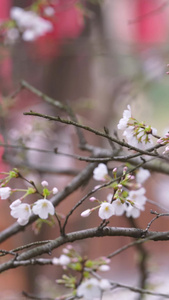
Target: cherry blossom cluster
(137, 134)
(89, 287)
(128, 194)
(52, 20)
(27, 23)
(22, 211)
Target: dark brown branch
(87, 128)
(85, 234)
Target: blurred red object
(150, 21)
(5, 6)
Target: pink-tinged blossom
(20, 211)
(86, 213)
(43, 208)
(93, 199)
(89, 289)
(122, 125)
(100, 172)
(44, 183)
(142, 175)
(106, 210)
(166, 150)
(138, 200)
(161, 141)
(5, 193)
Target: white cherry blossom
(54, 190)
(119, 207)
(5, 193)
(15, 203)
(100, 172)
(63, 260)
(106, 210)
(89, 289)
(42, 208)
(137, 134)
(105, 284)
(20, 211)
(30, 24)
(138, 200)
(122, 125)
(104, 268)
(142, 175)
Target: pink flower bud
(92, 199)
(97, 187)
(44, 183)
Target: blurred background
(100, 57)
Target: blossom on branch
(54, 190)
(89, 289)
(5, 192)
(123, 123)
(42, 208)
(100, 172)
(142, 175)
(136, 200)
(63, 260)
(20, 211)
(92, 288)
(106, 210)
(30, 24)
(137, 134)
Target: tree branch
(84, 234)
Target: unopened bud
(44, 183)
(86, 213)
(92, 199)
